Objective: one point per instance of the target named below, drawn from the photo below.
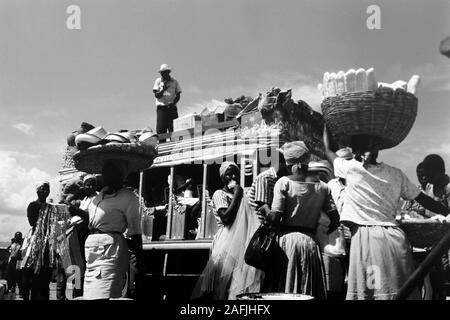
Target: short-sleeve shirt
(262, 188)
(337, 190)
(300, 203)
(171, 92)
(221, 200)
(373, 194)
(117, 212)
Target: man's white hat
(164, 67)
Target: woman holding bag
(295, 212)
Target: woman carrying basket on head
(380, 256)
(110, 213)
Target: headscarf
(345, 153)
(224, 167)
(296, 153)
(42, 184)
(89, 177)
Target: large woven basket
(424, 233)
(383, 114)
(91, 160)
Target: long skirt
(304, 271)
(381, 261)
(107, 262)
(226, 274)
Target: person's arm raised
(228, 215)
(329, 154)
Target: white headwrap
(224, 167)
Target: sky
(53, 78)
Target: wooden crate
(189, 121)
(212, 119)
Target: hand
(135, 264)
(261, 215)
(238, 190)
(232, 184)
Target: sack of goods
(138, 149)
(355, 105)
(295, 119)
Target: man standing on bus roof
(167, 93)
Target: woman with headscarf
(111, 213)
(226, 274)
(296, 209)
(380, 255)
(36, 283)
(81, 228)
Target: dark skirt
(303, 271)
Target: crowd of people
(365, 198)
(362, 200)
(108, 231)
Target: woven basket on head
(424, 233)
(138, 157)
(384, 114)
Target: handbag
(261, 247)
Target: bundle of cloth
(235, 106)
(296, 120)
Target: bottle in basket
(340, 82)
(371, 81)
(350, 80)
(361, 80)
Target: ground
(12, 296)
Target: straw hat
(138, 157)
(165, 67)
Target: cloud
(434, 77)
(23, 127)
(442, 150)
(12, 223)
(17, 184)
(302, 85)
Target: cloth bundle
(297, 121)
(51, 226)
